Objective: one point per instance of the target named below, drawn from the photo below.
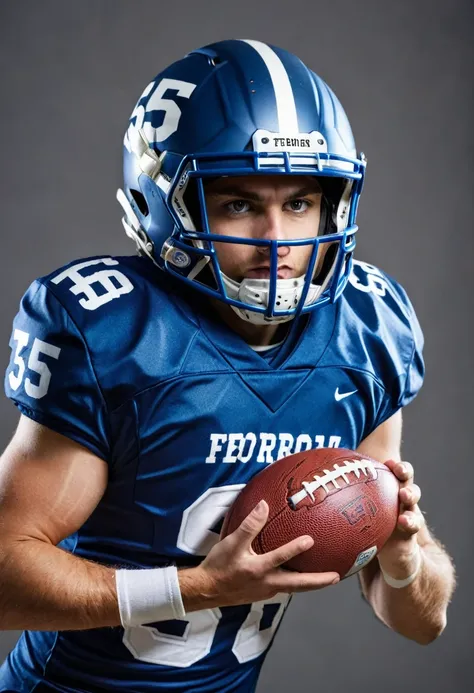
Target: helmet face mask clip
(214, 128)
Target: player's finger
(289, 581)
(403, 470)
(283, 554)
(251, 525)
(410, 521)
(410, 495)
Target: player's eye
(237, 207)
(299, 206)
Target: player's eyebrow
(236, 191)
(308, 190)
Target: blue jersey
(111, 354)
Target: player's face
(263, 207)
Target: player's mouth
(263, 272)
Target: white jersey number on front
(196, 537)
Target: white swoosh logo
(341, 395)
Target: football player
(152, 388)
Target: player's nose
(272, 229)
(272, 224)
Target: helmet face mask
(164, 196)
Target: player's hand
(398, 556)
(232, 573)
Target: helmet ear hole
(327, 264)
(333, 189)
(140, 201)
(191, 200)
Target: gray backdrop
(70, 75)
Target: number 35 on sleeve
(35, 365)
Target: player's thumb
(252, 524)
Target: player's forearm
(417, 611)
(45, 588)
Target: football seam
(338, 473)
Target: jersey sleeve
(413, 379)
(50, 376)
(410, 368)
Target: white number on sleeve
(38, 366)
(15, 379)
(35, 364)
(376, 283)
(148, 644)
(85, 285)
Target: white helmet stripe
(286, 106)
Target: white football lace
(338, 472)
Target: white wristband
(149, 595)
(398, 584)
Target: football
(346, 501)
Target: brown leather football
(347, 502)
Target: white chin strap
(256, 292)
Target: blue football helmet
(240, 108)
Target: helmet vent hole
(140, 202)
(215, 61)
